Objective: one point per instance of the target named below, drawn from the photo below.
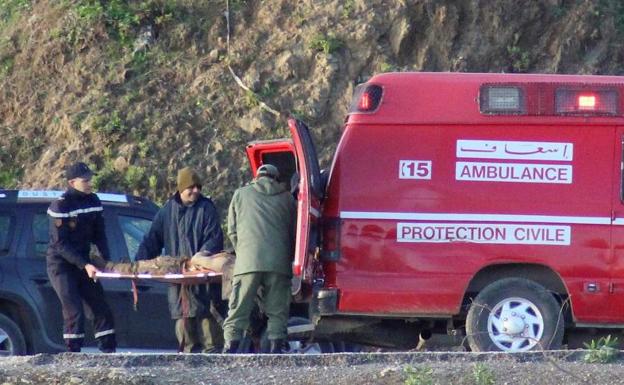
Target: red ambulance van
(489, 203)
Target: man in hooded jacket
(188, 223)
(261, 224)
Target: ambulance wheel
(514, 315)
(12, 341)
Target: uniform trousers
(275, 302)
(80, 296)
(203, 331)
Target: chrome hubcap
(515, 325)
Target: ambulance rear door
(308, 205)
(299, 168)
(278, 152)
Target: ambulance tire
(12, 342)
(514, 314)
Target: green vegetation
(6, 66)
(519, 58)
(133, 178)
(613, 8)
(418, 376)
(10, 9)
(387, 67)
(110, 124)
(268, 90)
(348, 7)
(120, 18)
(237, 5)
(482, 374)
(10, 177)
(251, 99)
(327, 44)
(603, 350)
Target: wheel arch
(24, 317)
(540, 274)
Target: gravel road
(561, 367)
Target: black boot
(107, 343)
(231, 347)
(277, 346)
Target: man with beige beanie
(187, 224)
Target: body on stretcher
(201, 268)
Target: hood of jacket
(268, 186)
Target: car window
(5, 233)
(40, 226)
(133, 229)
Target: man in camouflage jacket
(261, 223)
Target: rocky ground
(561, 367)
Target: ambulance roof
(453, 98)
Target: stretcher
(189, 278)
(200, 269)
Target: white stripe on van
(479, 217)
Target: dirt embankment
(141, 88)
(561, 367)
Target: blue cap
(78, 170)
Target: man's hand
(91, 270)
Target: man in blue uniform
(76, 222)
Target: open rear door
(290, 156)
(308, 204)
(278, 152)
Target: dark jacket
(261, 226)
(76, 222)
(183, 231)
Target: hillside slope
(141, 88)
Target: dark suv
(30, 312)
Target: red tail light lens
(366, 98)
(366, 102)
(586, 102)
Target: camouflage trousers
(199, 332)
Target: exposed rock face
(140, 99)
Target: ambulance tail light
(494, 99)
(366, 99)
(570, 101)
(330, 247)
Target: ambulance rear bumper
(327, 301)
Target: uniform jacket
(183, 231)
(261, 226)
(76, 222)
